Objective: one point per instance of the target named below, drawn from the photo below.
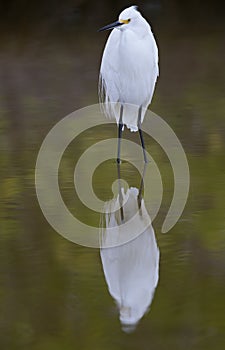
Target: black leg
(120, 193)
(141, 136)
(120, 130)
(141, 187)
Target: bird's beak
(111, 26)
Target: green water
(53, 293)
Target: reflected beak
(111, 26)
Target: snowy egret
(128, 72)
(131, 270)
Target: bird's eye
(125, 21)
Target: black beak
(111, 26)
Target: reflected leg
(139, 198)
(120, 130)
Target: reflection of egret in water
(131, 270)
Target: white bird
(128, 72)
(132, 269)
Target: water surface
(54, 293)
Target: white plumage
(129, 68)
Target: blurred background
(52, 292)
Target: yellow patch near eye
(125, 21)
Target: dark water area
(54, 293)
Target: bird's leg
(139, 197)
(141, 136)
(120, 130)
(120, 193)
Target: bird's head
(127, 19)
